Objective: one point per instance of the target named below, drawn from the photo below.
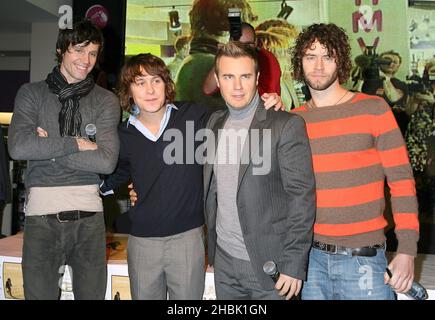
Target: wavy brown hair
(333, 38)
(133, 68)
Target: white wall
(43, 48)
(14, 42)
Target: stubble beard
(319, 86)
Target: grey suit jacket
(276, 210)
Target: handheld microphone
(417, 291)
(271, 270)
(91, 131)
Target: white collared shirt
(145, 131)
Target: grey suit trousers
(236, 280)
(171, 266)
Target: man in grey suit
(259, 187)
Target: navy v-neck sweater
(170, 197)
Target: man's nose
(319, 63)
(237, 83)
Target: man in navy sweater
(166, 243)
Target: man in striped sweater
(355, 144)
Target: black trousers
(49, 245)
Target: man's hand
(133, 195)
(402, 268)
(41, 132)
(272, 100)
(86, 145)
(288, 286)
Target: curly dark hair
(333, 38)
(133, 68)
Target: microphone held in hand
(271, 270)
(91, 131)
(417, 291)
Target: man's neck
(152, 120)
(333, 95)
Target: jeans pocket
(34, 221)
(376, 264)
(95, 222)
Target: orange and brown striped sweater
(355, 145)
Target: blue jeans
(346, 277)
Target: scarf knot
(69, 94)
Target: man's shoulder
(105, 99)
(32, 94)
(187, 106)
(299, 109)
(283, 118)
(35, 87)
(371, 103)
(102, 92)
(189, 110)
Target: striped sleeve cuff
(407, 242)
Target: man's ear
(258, 77)
(217, 80)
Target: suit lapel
(208, 166)
(257, 124)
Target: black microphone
(91, 131)
(271, 270)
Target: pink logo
(98, 15)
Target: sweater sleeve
(395, 162)
(23, 141)
(122, 172)
(104, 159)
